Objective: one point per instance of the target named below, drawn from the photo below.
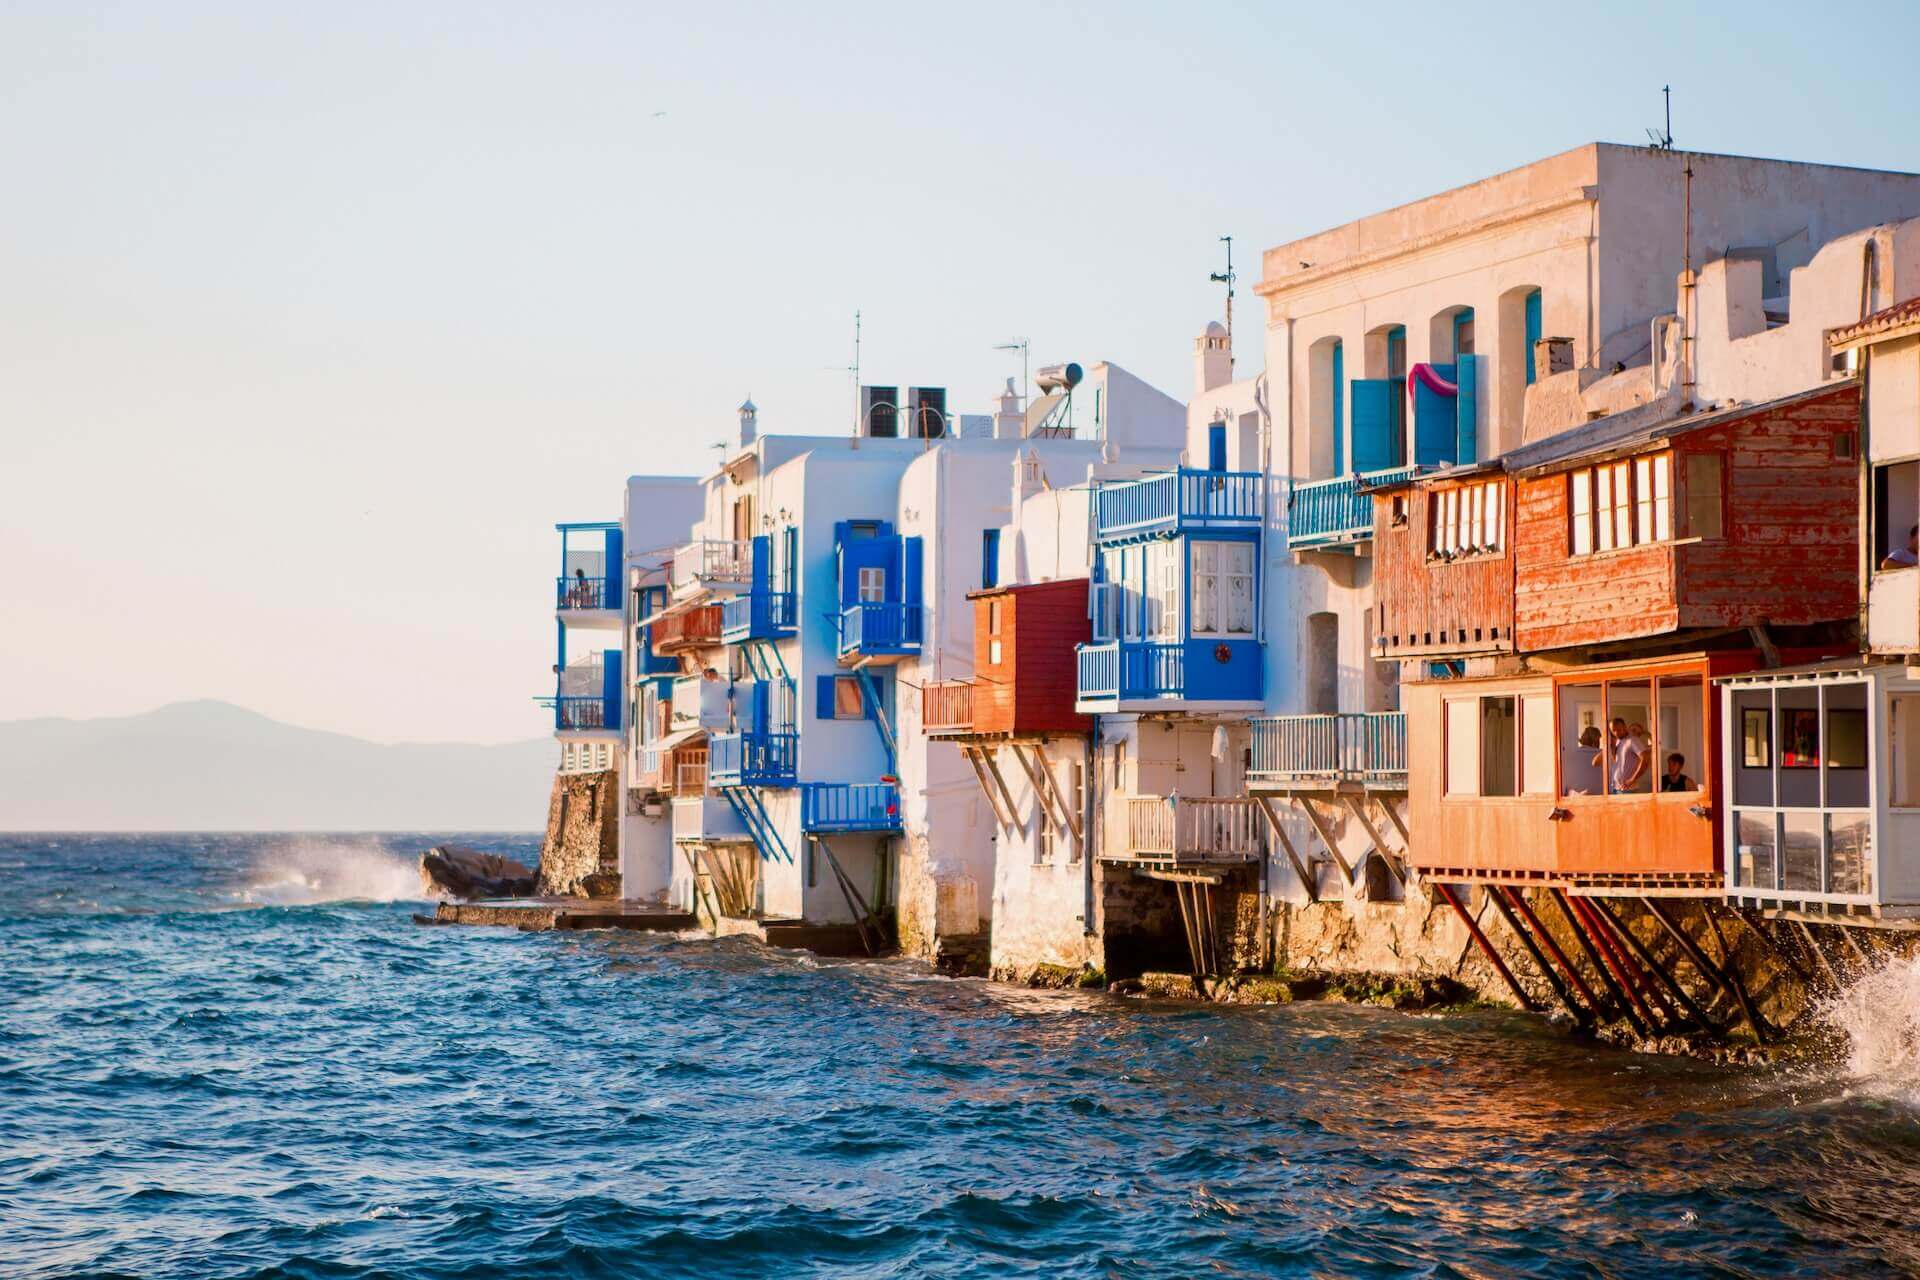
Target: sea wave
(305, 871)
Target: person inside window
(1675, 778)
(1628, 757)
(1905, 557)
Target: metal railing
(693, 627)
(849, 806)
(756, 613)
(581, 593)
(880, 627)
(582, 713)
(1336, 511)
(1203, 828)
(1174, 499)
(713, 560)
(946, 706)
(1355, 746)
(1129, 669)
(754, 759)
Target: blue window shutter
(1374, 445)
(791, 535)
(1217, 446)
(1533, 330)
(1436, 424)
(1468, 408)
(910, 570)
(616, 568)
(610, 687)
(823, 697)
(990, 558)
(1339, 418)
(1461, 319)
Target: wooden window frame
(1621, 478)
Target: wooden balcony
(946, 707)
(1363, 749)
(1193, 829)
(690, 629)
(1336, 514)
(1174, 501)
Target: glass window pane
(1703, 495)
(1663, 497)
(1499, 747)
(1849, 853)
(1622, 513)
(1463, 746)
(1603, 506)
(1537, 744)
(1643, 499)
(1754, 864)
(1681, 732)
(1630, 767)
(1581, 489)
(1581, 740)
(1801, 838)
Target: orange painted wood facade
(1785, 553)
(1025, 670)
(1432, 606)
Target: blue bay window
(880, 580)
(1174, 620)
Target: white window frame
(870, 587)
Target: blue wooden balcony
(591, 569)
(758, 614)
(1126, 670)
(883, 630)
(1173, 501)
(827, 807)
(752, 759)
(573, 713)
(1125, 674)
(1368, 748)
(1336, 514)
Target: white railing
(1204, 828)
(713, 560)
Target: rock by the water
(460, 872)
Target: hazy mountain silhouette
(212, 766)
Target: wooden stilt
(1387, 856)
(1846, 936)
(1286, 846)
(1189, 921)
(1707, 968)
(1487, 947)
(1616, 960)
(1653, 966)
(1326, 838)
(1580, 1015)
(986, 787)
(1621, 1005)
(862, 914)
(1820, 954)
(1758, 927)
(1567, 966)
(1752, 1015)
(1660, 1008)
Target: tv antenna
(1227, 278)
(1020, 345)
(1662, 140)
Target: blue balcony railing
(752, 759)
(1132, 669)
(573, 713)
(581, 593)
(849, 806)
(1175, 500)
(886, 627)
(757, 615)
(1348, 747)
(1337, 512)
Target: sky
(315, 319)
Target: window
(1896, 514)
(1703, 495)
(1499, 747)
(1536, 734)
(1469, 520)
(1620, 504)
(1043, 843)
(989, 558)
(993, 632)
(849, 701)
(872, 584)
(1163, 562)
(1222, 588)
(1903, 741)
(1077, 797)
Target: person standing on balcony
(579, 591)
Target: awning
(693, 601)
(673, 739)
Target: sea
(238, 1056)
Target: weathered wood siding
(1787, 554)
(1434, 608)
(1031, 689)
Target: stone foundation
(581, 854)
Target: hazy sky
(314, 319)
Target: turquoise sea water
(214, 1064)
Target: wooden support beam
(1846, 936)
(1050, 801)
(1053, 789)
(1667, 980)
(1568, 967)
(1326, 837)
(1393, 815)
(1580, 1015)
(1786, 955)
(1189, 922)
(993, 767)
(1616, 960)
(863, 918)
(1286, 845)
(1712, 972)
(1621, 1005)
(1651, 995)
(1727, 966)
(1492, 953)
(986, 788)
(1358, 808)
(1820, 954)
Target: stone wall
(937, 908)
(581, 854)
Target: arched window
(1326, 410)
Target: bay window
(1222, 574)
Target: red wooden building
(1443, 565)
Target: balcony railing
(584, 713)
(885, 627)
(757, 615)
(1174, 500)
(1336, 512)
(1348, 747)
(713, 560)
(849, 806)
(581, 593)
(1133, 669)
(690, 775)
(1195, 829)
(687, 630)
(946, 706)
(754, 759)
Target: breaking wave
(1879, 1014)
(301, 872)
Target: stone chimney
(1009, 420)
(1212, 359)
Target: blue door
(1217, 447)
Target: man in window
(1905, 557)
(1629, 757)
(1675, 778)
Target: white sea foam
(301, 871)
(1879, 1014)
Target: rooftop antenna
(1662, 140)
(856, 374)
(1020, 345)
(1227, 277)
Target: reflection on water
(328, 1090)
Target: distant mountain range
(212, 766)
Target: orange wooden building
(1645, 557)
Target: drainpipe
(1090, 847)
